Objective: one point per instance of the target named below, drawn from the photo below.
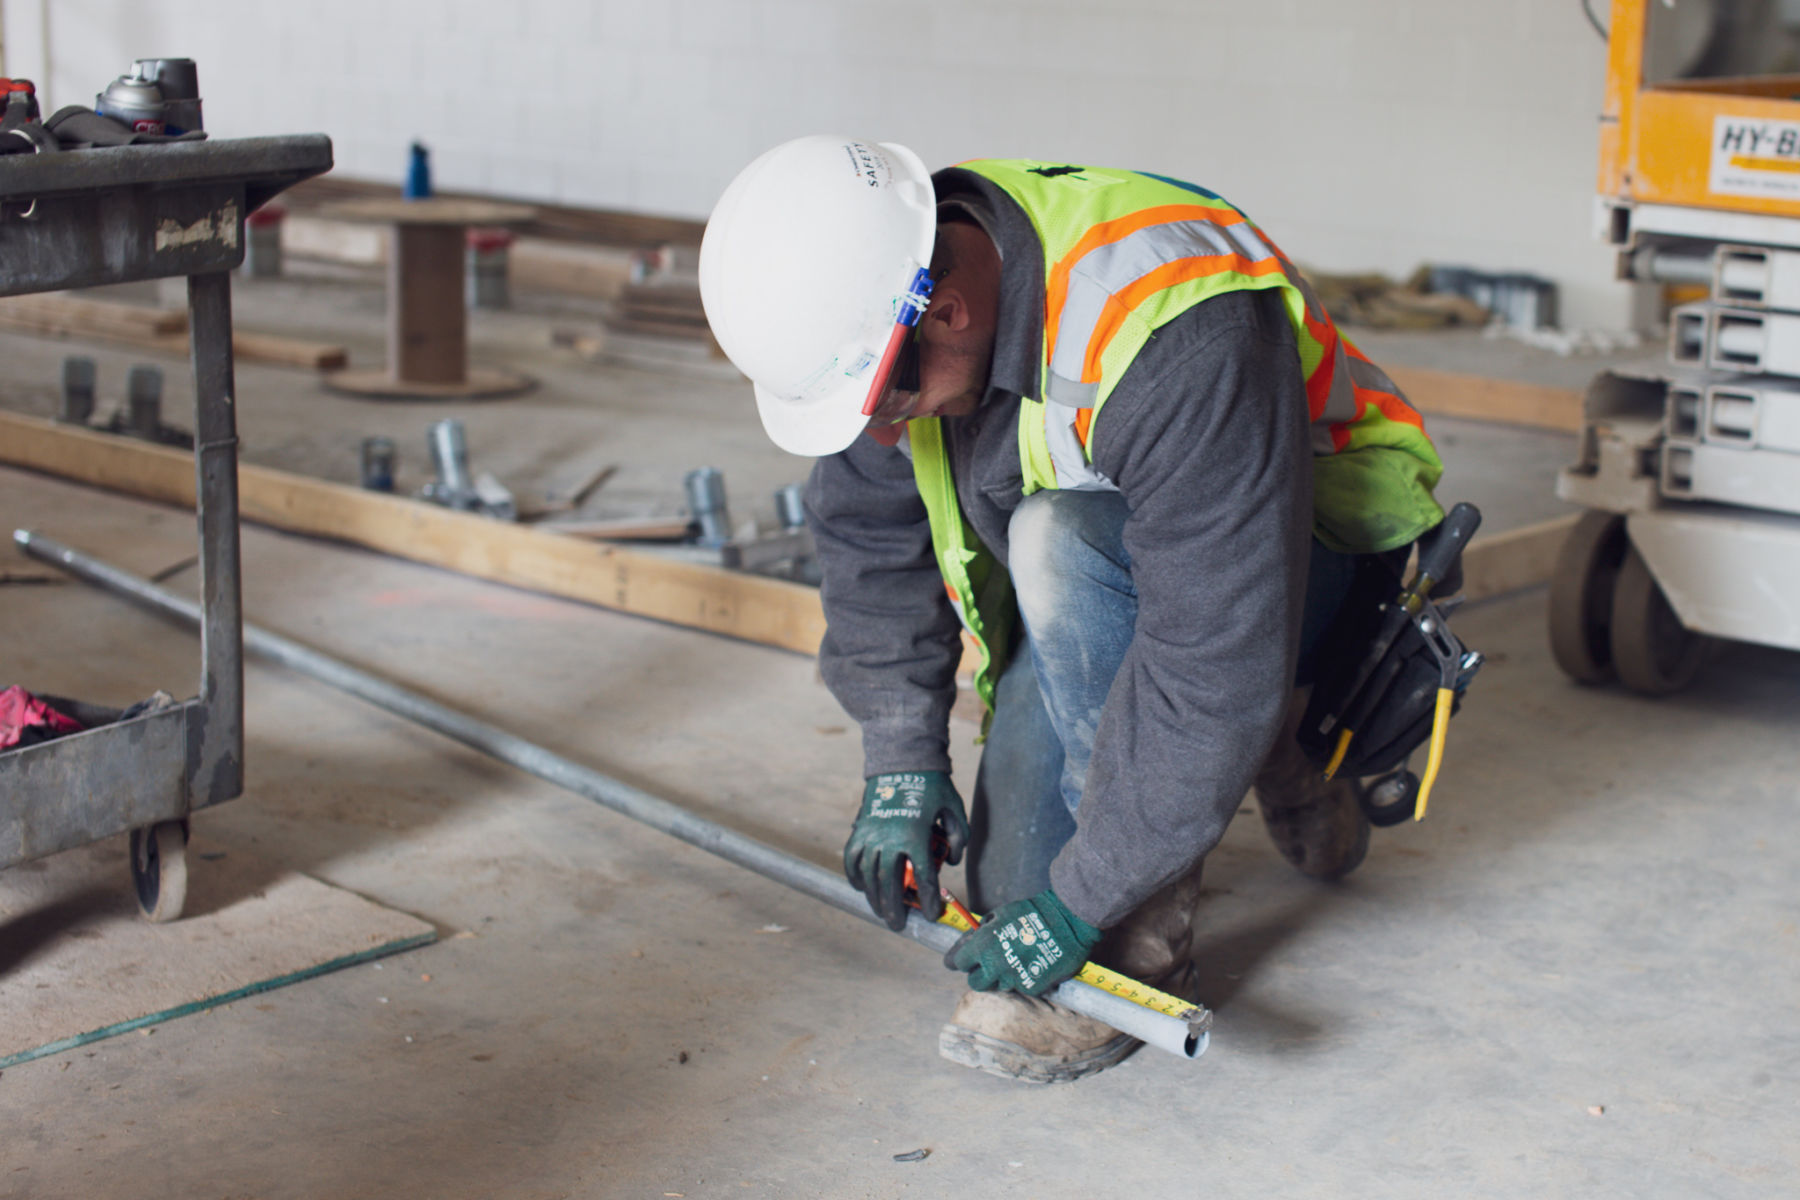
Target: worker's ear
(949, 310)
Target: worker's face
(940, 372)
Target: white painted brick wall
(1365, 134)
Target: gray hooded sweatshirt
(1206, 438)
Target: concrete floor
(1576, 978)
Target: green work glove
(1027, 946)
(899, 814)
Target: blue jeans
(1072, 577)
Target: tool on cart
(1405, 686)
(158, 100)
(158, 95)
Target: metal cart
(90, 217)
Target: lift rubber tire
(1655, 654)
(1581, 596)
(159, 869)
(1391, 799)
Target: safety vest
(1124, 253)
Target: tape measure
(1107, 980)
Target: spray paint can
(179, 81)
(134, 102)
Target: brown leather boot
(1039, 1041)
(1318, 825)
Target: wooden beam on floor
(161, 330)
(55, 313)
(1482, 399)
(1497, 563)
(280, 350)
(556, 222)
(753, 608)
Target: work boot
(1317, 824)
(1040, 1041)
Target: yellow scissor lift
(1691, 472)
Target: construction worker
(1095, 420)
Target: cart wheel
(1390, 799)
(1654, 652)
(159, 869)
(1581, 596)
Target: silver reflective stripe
(1105, 270)
(1367, 374)
(1340, 402)
(1069, 393)
(1314, 309)
(1074, 472)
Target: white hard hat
(812, 257)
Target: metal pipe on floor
(1173, 1035)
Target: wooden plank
(684, 331)
(1518, 558)
(333, 241)
(1483, 399)
(280, 350)
(556, 222)
(538, 265)
(53, 312)
(642, 529)
(534, 264)
(272, 348)
(754, 608)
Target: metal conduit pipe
(1184, 1038)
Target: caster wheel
(1581, 596)
(1655, 654)
(159, 869)
(1390, 799)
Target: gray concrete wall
(1364, 134)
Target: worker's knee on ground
(1060, 540)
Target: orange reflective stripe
(1057, 286)
(1084, 421)
(1168, 275)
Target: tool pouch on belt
(1399, 718)
(1394, 655)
